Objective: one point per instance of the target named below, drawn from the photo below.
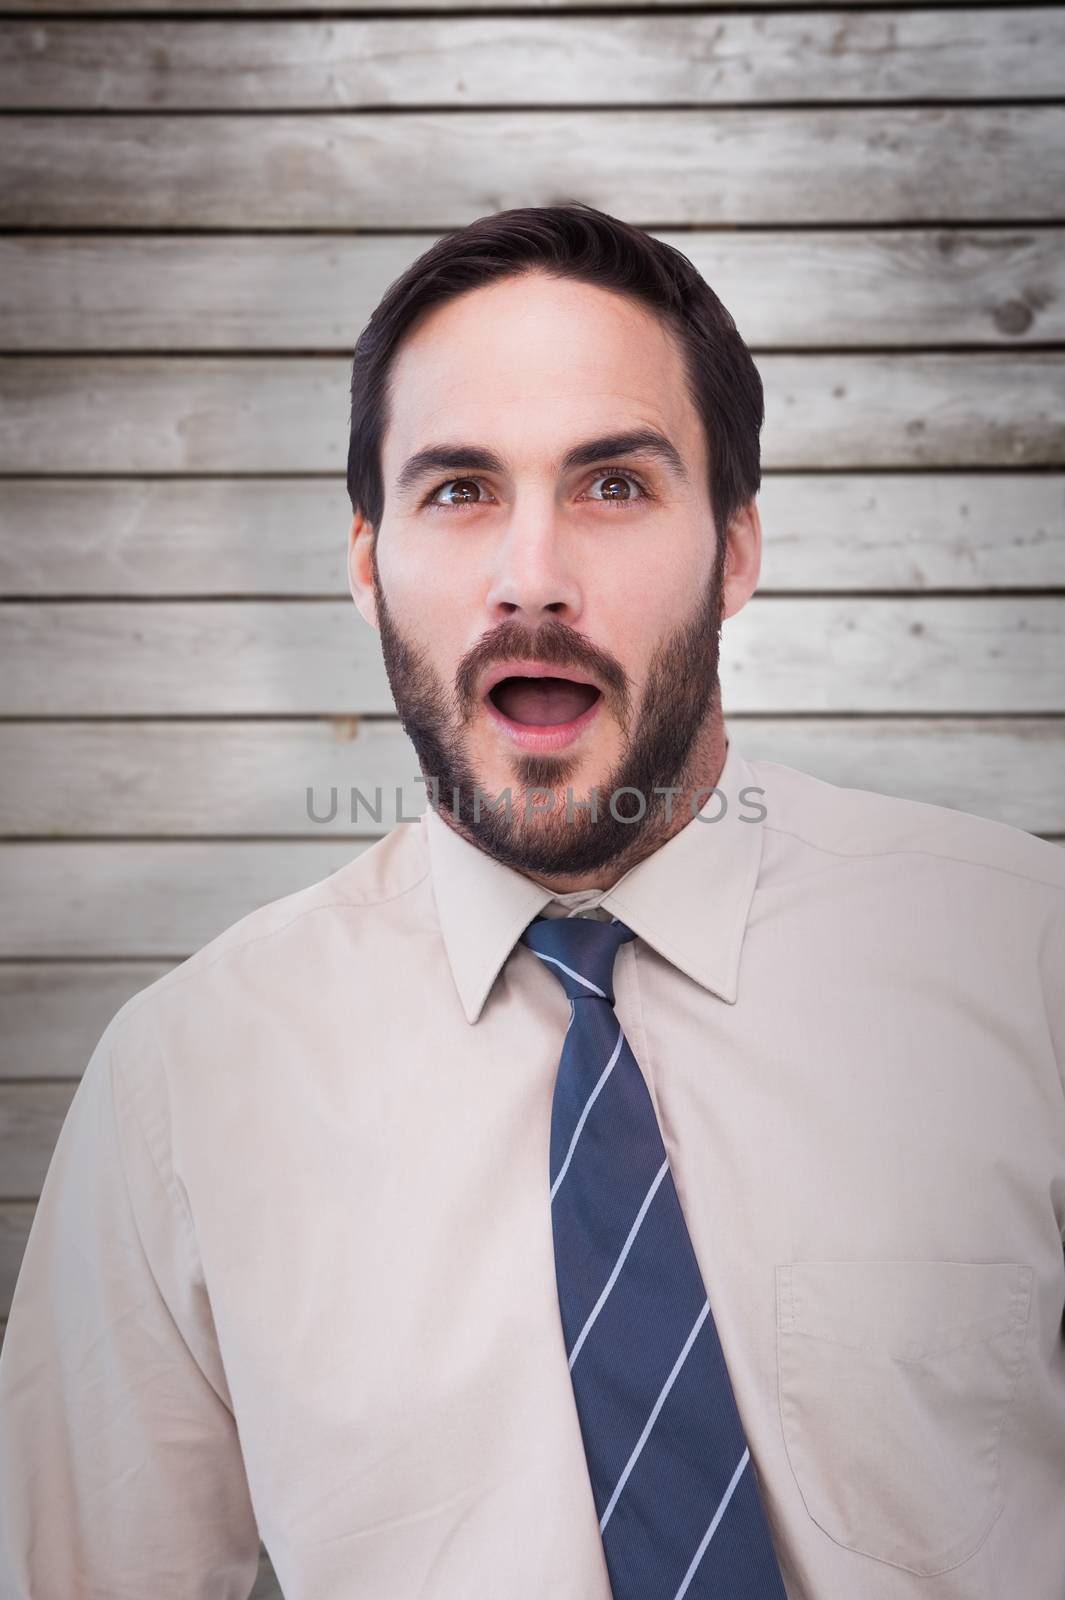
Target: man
(643, 1176)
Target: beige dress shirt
(292, 1273)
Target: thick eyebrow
(457, 458)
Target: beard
(569, 839)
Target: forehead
(529, 364)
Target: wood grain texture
(459, 62)
(199, 414)
(241, 536)
(270, 536)
(161, 900)
(325, 776)
(30, 1118)
(189, 658)
(985, 654)
(90, 8)
(164, 900)
(890, 287)
(266, 1586)
(991, 163)
(52, 1014)
(15, 1220)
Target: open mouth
(543, 702)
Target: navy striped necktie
(672, 1479)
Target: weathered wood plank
(267, 1586)
(230, 658)
(331, 775)
(247, 536)
(949, 410)
(116, 779)
(398, 7)
(162, 900)
(184, 414)
(30, 1118)
(103, 900)
(241, 536)
(889, 531)
(442, 169)
(460, 62)
(15, 1222)
(117, 900)
(189, 658)
(1010, 770)
(196, 414)
(922, 654)
(904, 287)
(182, 658)
(51, 1015)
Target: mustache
(553, 641)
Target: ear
(743, 558)
(360, 567)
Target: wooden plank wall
(200, 205)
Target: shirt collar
(689, 899)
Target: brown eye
(619, 488)
(465, 491)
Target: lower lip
(555, 737)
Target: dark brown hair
(569, 241)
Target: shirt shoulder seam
(910, 850)
(134, 1006)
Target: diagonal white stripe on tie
(588, 984)
(709, 1534)
(613, 1278)
(659, 1403)
(583, 1118)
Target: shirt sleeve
(1052, 973)
(120, 1467)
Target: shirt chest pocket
(895, 1379)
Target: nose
(534, 576)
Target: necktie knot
(580, 952)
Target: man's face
(593, 586)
